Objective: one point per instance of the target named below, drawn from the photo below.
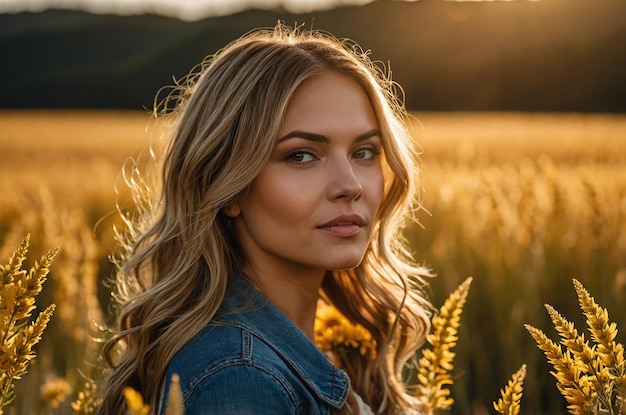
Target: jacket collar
(248, 308)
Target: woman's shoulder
(238, 388)
(226, 369)
(253, 344)
(220, 346)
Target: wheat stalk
(435, 363)
(175, 403)
(509, 403)
(576, 344)
(609, 354)
(17, 302)
(590, 378)
(572, 385)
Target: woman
(287, 178)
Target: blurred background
(519, 107)
(550, 55)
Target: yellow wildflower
(334, 332)
(54, 392)
(174, 406)
(134, 402)
(87, 403)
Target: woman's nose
(344, 184)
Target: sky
(183, 9)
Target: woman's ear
(232, 209)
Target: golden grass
(523, 202)
(483, 139)
(592, 378)
(58, 179)
(509, 402)
(76, 154)
(18, 335)
(436, 362)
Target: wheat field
(523, 203)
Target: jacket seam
(193, 385)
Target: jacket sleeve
(241, 389)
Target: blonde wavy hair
(179, 251)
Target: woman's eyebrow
(319, 138)
(369, 134)
(304, 134)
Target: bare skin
(311, 208)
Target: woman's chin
(346, 263)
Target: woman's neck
(294, 292)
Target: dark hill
(549, 55)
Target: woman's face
(313, 205)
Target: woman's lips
(344, 225)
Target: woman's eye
(301, 157)
(365, 153)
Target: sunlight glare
(182, 9)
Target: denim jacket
(252, 359)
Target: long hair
(179, 250)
